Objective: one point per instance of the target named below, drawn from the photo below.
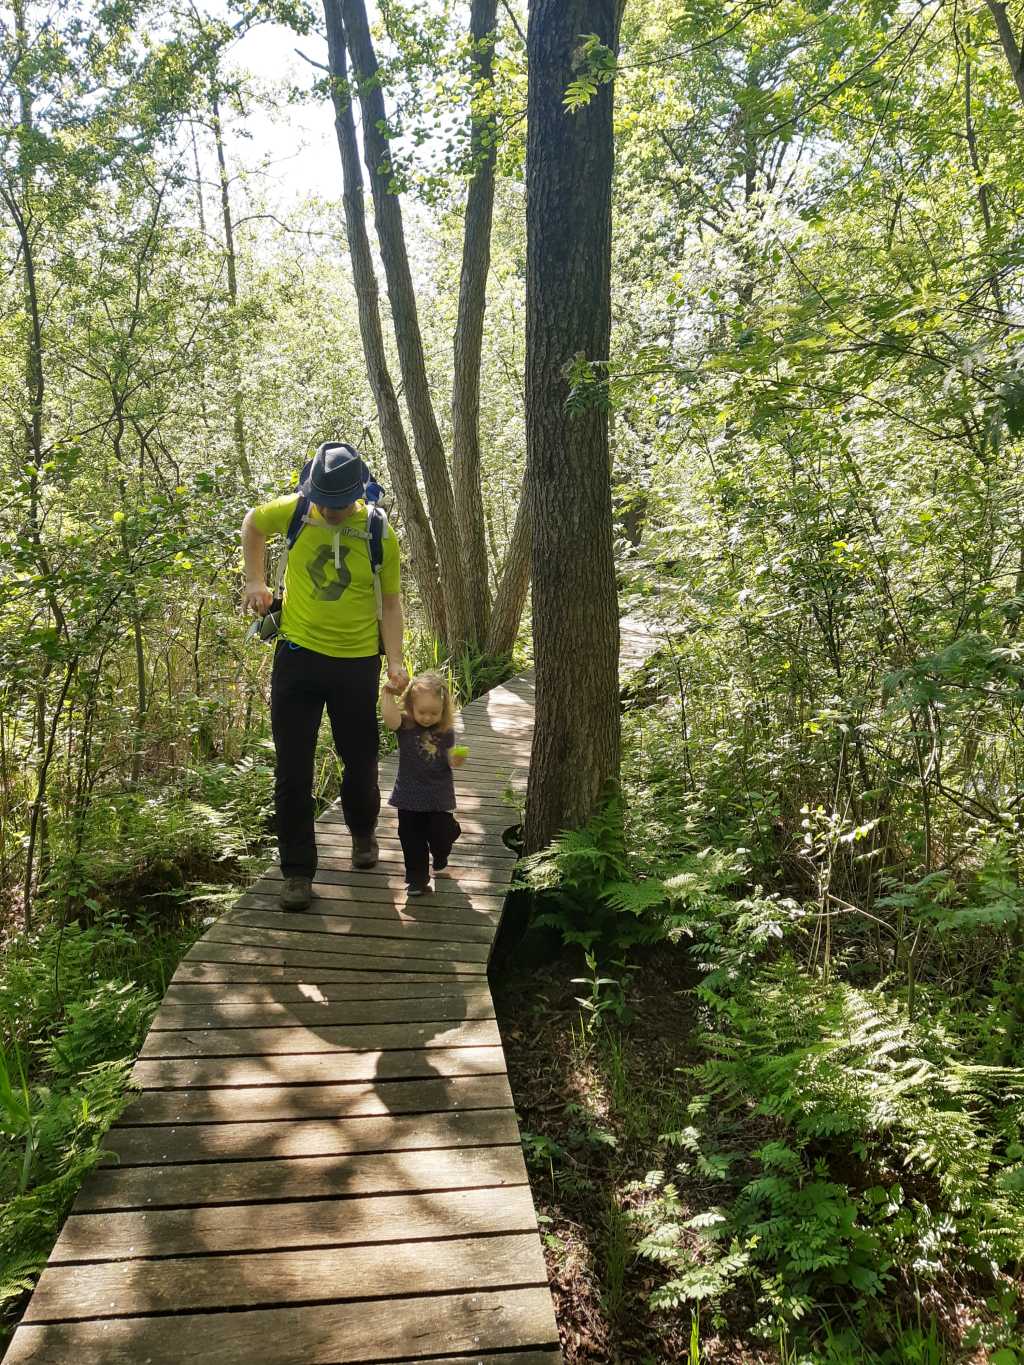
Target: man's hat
(336, 476)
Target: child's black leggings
(425, 834)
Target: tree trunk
(46, 737)
(469, 329)
(568, 313)
(1009, 42)
(513, 586)
(422, 550)
(241, 455)
(391, 237)
(982, 187)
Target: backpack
(376, 525)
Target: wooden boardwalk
(324, 1165)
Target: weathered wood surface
(322, 1164)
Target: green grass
(618, 1252)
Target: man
(328, 655)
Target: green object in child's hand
(460, 751)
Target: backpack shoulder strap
(376, 525)
(297, 522)
(290, 537)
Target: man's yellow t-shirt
(329, 602)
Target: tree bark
(391, 237)
(576, 744)
(241, 455)
(422, 550)
(512, 586)
(1009, 42)
(469, 328)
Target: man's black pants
(302, 684)
(425, 834)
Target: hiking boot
(297, 893)
(364, 851)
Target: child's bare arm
(389, 708)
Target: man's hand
(398, 678)
(257, 597)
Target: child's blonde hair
(435, 684)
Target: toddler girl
(425, 789)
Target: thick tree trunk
(419, 537)
(513, 586)
(1009, 42)
(568, 313)
(241, 455)
(469, 329)
(391, 237)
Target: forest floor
(593, 1097)
(592, 1102)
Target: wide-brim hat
(336, 476)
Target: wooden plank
(375, 944)
(461, 880)
(482, 804)
(391, 863)
(385, 924)
(454, 888)
(237, 1014)
(457, 1094)
(259, 972)
(475, 901)
(320, 1334)
(319, 1068)
(275, 991)
(339, 1274)
(253, 1182)
(541, 1357)
(273, 1042)
(426, 910)
(390, 850)
(197, 1142)
(320, 1222)
(321, 963)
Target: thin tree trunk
(568, 313)
(199, 182)
(513, 586)
(35, 388)
(469, 328)
(1009, 42)
(391, 237)
(229, 250)
(37, 819)
(982, 187)
(422, 550)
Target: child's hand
(459, 754)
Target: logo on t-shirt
(329, 581)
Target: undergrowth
(128, 890)
(846, 1172)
